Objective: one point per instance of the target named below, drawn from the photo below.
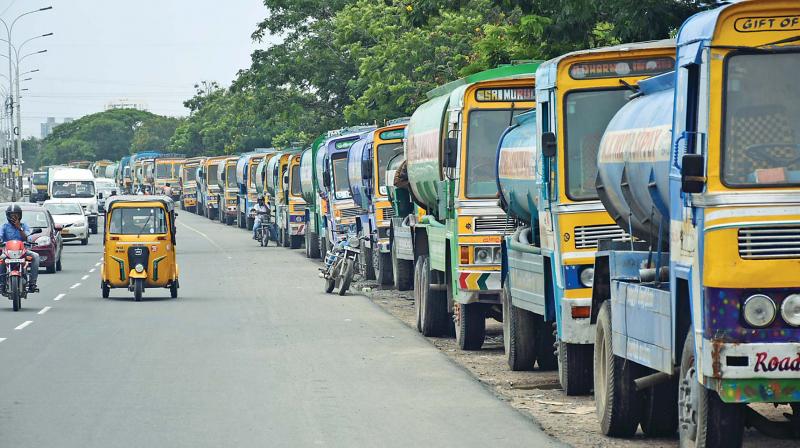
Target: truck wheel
(286, 239)
(403, 273)
(470, 325)
(575, 368)
(546, 346)
(417, 298)
(323, 246)
(249, 223)
(365, 262)
(616, 399)
(93, 228)
(705, 420)
(519, 334)
(346, 276)
(382, 261)
(296, 241)
(660, 410)
(312, 245)
(432, 301)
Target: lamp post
(9, 28)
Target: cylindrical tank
(307, 174)
(271, 172)
(358, 152)
(633, 161)
(516, 168)
(424, 137)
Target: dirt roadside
(537, 394)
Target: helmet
(13, 209)
(261, 198)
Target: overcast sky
(145, 51)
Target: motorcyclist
(16, 230)
(261, 210)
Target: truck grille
(497, 224)
(351, 212)
(586, 237)
(298, 208)
(388, 213)
(758, 243)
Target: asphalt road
(252, 354)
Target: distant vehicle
(70, 215)
(47, 242)
(104, 188)
(75, 185)
(38, 186)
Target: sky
(149, 52)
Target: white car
(104, 188)
(73, 219)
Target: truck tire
(470, 320)
(402, 273)
(365, 262)
(286, 239)
(382, 262)
(705, 420)
(660, 410)
(312, 245)
(249, 223)
(295, 241)
(519, 334)
(323, 246)
(616, 399)
(432, 303)
(546, 356)
(575, 368)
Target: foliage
(343, 62)
(104, 135)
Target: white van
(75, 185)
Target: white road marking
(85, 277)
(59, 297)
(44, 310)
(2, 339)
(204, 236)
(75, 286)
(97, 264)
(91, 270)
(24, 324)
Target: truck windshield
(230, 176)
(212, 174)
(137, 220)
(386, 152)
(73, 189)
(341, 183)
(251, 177)
(586, 116)
(485, 128)
(39, 179)
(295, 179)
(762, 121)
(189, 174)
(164, 171)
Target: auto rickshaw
(139, 245)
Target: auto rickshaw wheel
(105, 289)
(173, 290)
(138, 289)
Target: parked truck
(167, 170)
(228, 190)
(548, 260)
(367, 171)
(207, 187)
(310, 184)
(188, 181)
(450, 150)
(247, 183)
(700, 316)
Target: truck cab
(208, 187)
(167, 170)
(247, 184)
(700, 318)
(450, 148)
(228, 190)
(188, 181)
(38, 186)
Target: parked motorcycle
(17, 267)
(262, 233)
(340, 265)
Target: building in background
(49, 125)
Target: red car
(48, 244)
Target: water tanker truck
(310, 184)
(699, 317)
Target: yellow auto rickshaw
(139, 245)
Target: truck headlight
(587, 277)
(759, 310)
(139, 268)
(484, 255)
(790, 309)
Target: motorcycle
(340, 264)
(262, 233)
(17, 266)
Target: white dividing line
(75, 286)
(24, 324)
(91, 270)
(204, 236)
(97, 264)
(85, 277)
(59, 297)
(2, 339)
(44, 310)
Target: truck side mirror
(99, 195)
(326, 179)
(450, 152)
(366, 169)
(549, 144)
(693, 177)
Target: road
(252, 354)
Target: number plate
(14, 260)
